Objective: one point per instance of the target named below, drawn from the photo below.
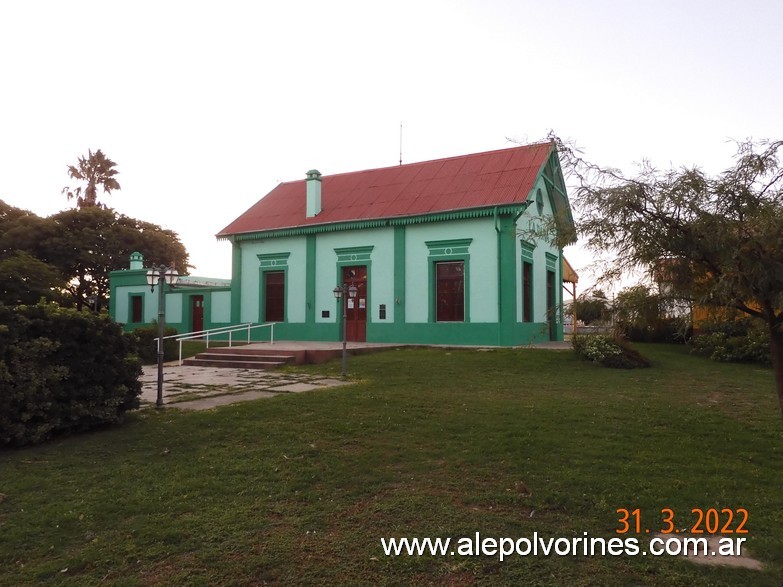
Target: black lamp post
(157, 276)
(344, 292)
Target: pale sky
(205, 107)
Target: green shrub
(61, 371)
(146, 348)
(608, 351)
(734, 341)
(669, 330)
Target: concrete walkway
(202, 388)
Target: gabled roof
(482, 180)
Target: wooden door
(551, 304)
(274, 296)
(197, 313)
(356, 308)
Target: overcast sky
(205, 107)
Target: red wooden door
(356, 308)
(274, 284)
(197, 313)
(551, 304)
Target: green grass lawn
(299, 489)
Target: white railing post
(222, 330)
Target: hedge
(62, 371)
(734, 341)
(146, 347)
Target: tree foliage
(714, 240)
(95, 170)
(27, 271)
(68, 256)
(637, 306)
(91, 242)
(26, 280)
(591, 309)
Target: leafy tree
(91, 242)
(22, 230)
(26, 280)
(591, 309)
(26, 271)
(72, 253)
(9, 215)
(94, 170)
(715, 240)
(637, 306)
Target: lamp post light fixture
(344, 292)
(157, 276)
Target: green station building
(437, 252)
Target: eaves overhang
(462, 214)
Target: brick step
(265, 357)
(239, 358)
(235, 364)
(295, 356)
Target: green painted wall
(380, 269)
(482, 269)
(220, 310)
(236, 283)
(400, 262)
(531, 219)
(250, 280)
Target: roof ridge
(452, 157)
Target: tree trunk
(776, 350)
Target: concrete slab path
(202, 388)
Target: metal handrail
(221, 330)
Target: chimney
(136, 260)
(313, 183)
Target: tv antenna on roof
(400, 143)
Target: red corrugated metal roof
(494, 178)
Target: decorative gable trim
(551, 262)
(353, 254)
(527, 250)
(449, 248)
(273, 260)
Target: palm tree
(96, 170)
